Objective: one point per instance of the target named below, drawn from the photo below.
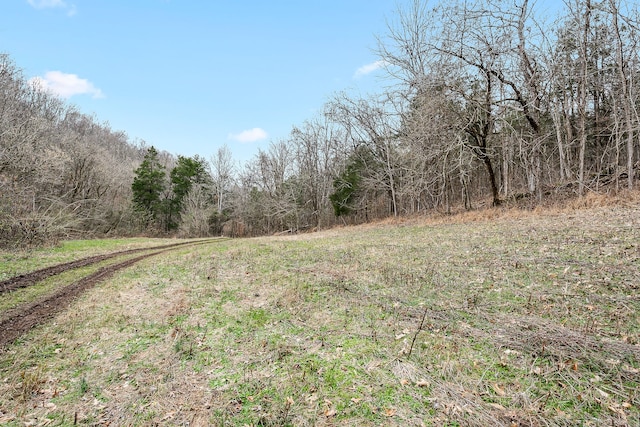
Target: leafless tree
(626, 56)
(196, 212)
(222, 169)
(318, 148)
(372, 125)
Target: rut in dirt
(28, 279)
(27, 317)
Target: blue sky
(189, 76)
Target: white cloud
(251, 135)
(368, 69)
(50, 4)
(42, 4)
(65, 85)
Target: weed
(30, 382)
(83, 386)
(184, 344)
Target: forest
(484, 102)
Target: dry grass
(529, 318)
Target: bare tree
(373, 125)
(583, 79)
(222, 169)
(266, 198)
(318, 150)
(626, 54)
(196, 212)
(462, 55)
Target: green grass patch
(531, 320)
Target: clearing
(523, 319)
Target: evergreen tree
(346, 188)
(187, 172)
(148, 185)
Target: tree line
(483, 102)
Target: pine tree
(149, 184)
(187, 172)
(346, 188)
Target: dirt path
(28, 279)
(24, 318)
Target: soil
(24, 318)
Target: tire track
(27, 279)
(27, 317)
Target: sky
(189, 76)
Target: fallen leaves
(496, 406)
(602, 393)
(168, 416)
(423, 383)
(499, 390)
(329, 410)
(389, 412)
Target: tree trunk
(492, 180)
(583, 96)
(626, 98)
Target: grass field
(521, 319)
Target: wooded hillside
(61, 171)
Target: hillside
(512, 318)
